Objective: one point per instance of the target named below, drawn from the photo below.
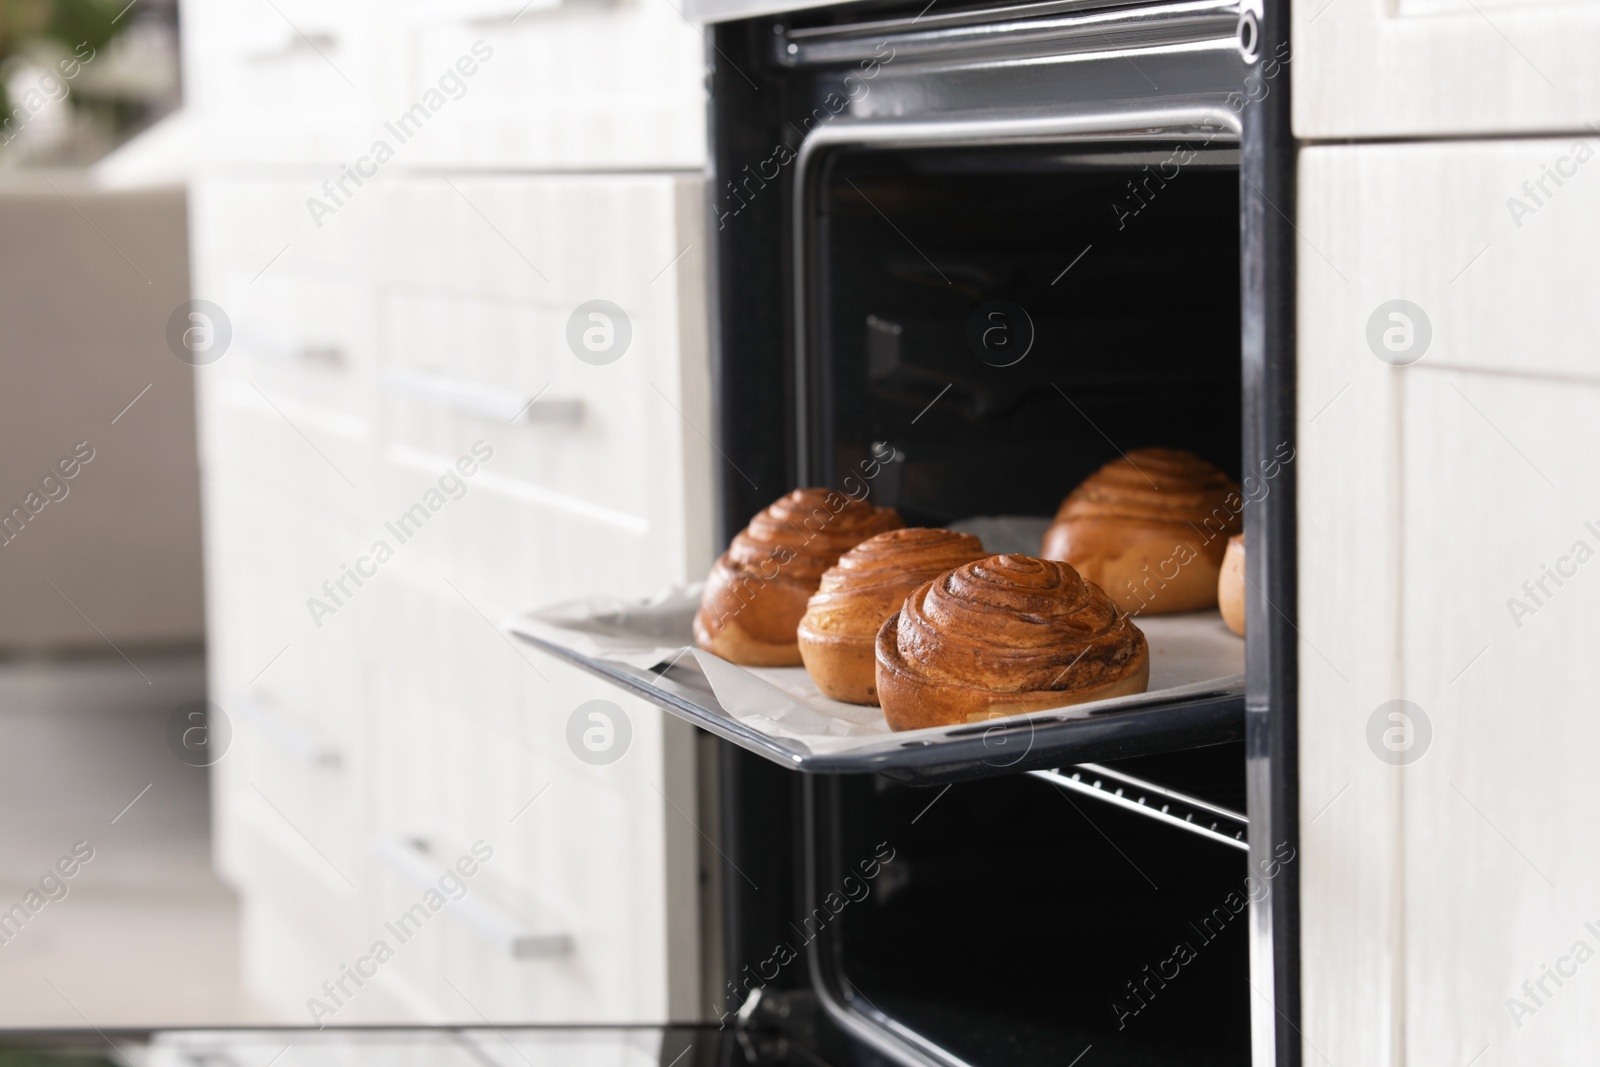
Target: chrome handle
(292, 42)
(291, 735)
(484, 401)
(519, 940)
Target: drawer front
(290, 82)
(255, 435)
(1448, 512)
(471, 335)
(295, 692)
(1376, 68)
(289, 403)
(472, 747)
(550, 85)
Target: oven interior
(1019, 923)
(1124, 261)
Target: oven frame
(1267, 159)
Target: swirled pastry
(1150, 529)
(1230, 585)
(865, 587)
(757, 590)
(1005, 635)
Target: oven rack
(1153, 801)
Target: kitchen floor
(142, 933)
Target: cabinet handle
(484, 401)
(289, 43)
(518, 939)
(268, 347)
(291, 735)
(477, 12)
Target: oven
(968, 254)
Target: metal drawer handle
(291, 735)
(477, 12)
(270, 346)
(518, 939)
(290, 43)
(484, 401)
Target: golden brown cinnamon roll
(758, 589)
(1005, 635)
(865, 587)
(1230, 585)
(1150, 529)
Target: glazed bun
(865, 587)
(1230, 585)
(1150, 529)
(757, 590)
(1004, 635)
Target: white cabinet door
(546, 86)
(1388, 68)
(1450, 528)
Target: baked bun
(1005, 635)
(865, 587)
(1230, 585)
(1150, 529)
(757, 590)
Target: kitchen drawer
(293, 81)
(471, 744)
(468, 337)
(317, 455)
(520, 544)
(1414, 68)
(550, 85)
(310, 341)
(285, 961)
(550, 241)
(267, 554)
(246, 230)
(1495, 260)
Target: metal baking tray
(646, 649)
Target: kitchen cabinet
(1449, 504)
(384, 727)
(1423, 68)
(550, 85)
(292, 81)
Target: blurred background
(275, 276)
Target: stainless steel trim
(1176, 809)
(1144, 26)
(1134, 124)
(709, 11)
(1263, 955)
(938, 20)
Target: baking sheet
(1190, 654)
